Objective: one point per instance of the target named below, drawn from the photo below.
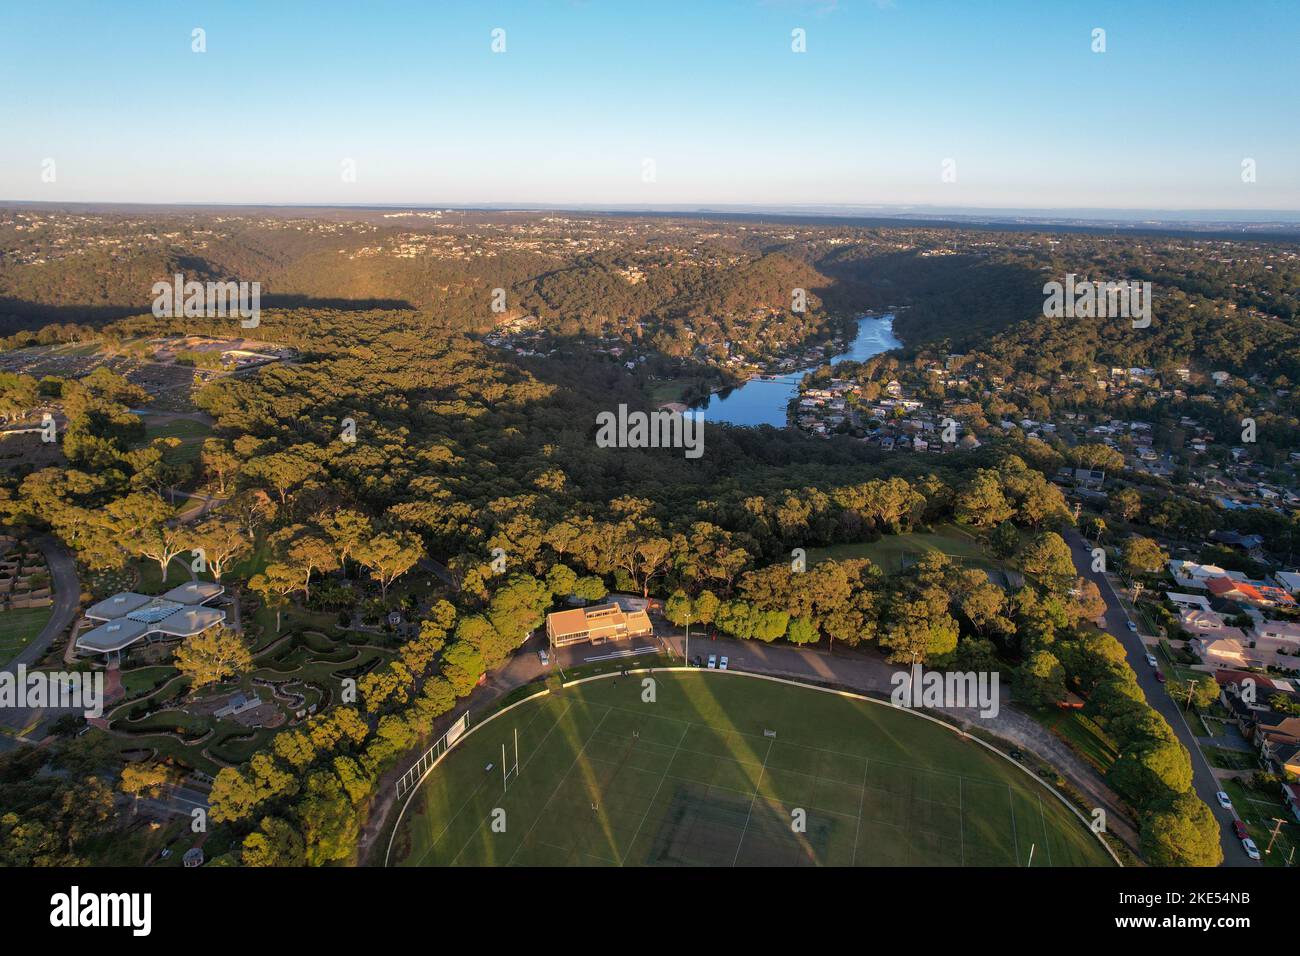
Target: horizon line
(1136, 215)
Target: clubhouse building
(127, 617)
(596, 625)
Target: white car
(1252, 851)
(713, 661)
(1151, 659)
(1223, 799)
(722, 664)
(1132, 627)
(544, 658)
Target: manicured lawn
(18, 627)
(893, 550)
(692, 779)
(146, 678)
(189, 432)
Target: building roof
(119, 605)
(190, 621)
(129, 616)
(597, 621)
(1201, 620)
(194, 592)
(1221, 646)
(1236, 677)
(112, 636)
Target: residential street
(1117, 618)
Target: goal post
(444, 743)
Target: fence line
(438, 759)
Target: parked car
(1224, 800)
(697, 661)
(1151, 660)
(722, 664)
(1239, 828)
(1016, 755)
(544, 657)
(1252, 851)
(1160, 676)
(1132, 627)
(713, 661)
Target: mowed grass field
(892, 551)
(690, 779)
(18, 627)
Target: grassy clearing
(892, 551)
(1083, 734)
(191, 434)
(691, 779)
(18, 627)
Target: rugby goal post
(440, 746)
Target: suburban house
(1188, 600)
(1289, 580)
(127, 617)
(1291, 793)
(1287, 759)
(597, 624)
(1260, 595)
(1200, 620)
(1189, 574)
(1278, 636)
(1220, 651)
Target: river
(763, 401)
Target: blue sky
(710, 91)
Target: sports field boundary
(851, 695)
(415, 787)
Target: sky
(635, 104)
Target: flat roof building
(129, 617)
(596, 624)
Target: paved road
(67, 598)
(1203, 780)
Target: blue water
(763, 401)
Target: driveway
(1116, 620)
